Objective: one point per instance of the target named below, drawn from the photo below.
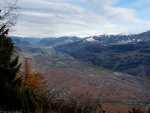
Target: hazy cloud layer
(44, 18)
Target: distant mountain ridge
(49, 42)
(124, 53)
(102, 39)
(123, 39)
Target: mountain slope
(124, 53)
(132, 57)
(79, 77)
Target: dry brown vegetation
(34, 93)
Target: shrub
(34, 94)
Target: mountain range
(122, 53)
(114, 68)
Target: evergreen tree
(9, 67)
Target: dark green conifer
(9, 67)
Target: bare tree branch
(8, 14)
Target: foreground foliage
(9, 66)
(16, 93)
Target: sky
(53, 18)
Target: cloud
(45, 18)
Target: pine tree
(9, 67)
